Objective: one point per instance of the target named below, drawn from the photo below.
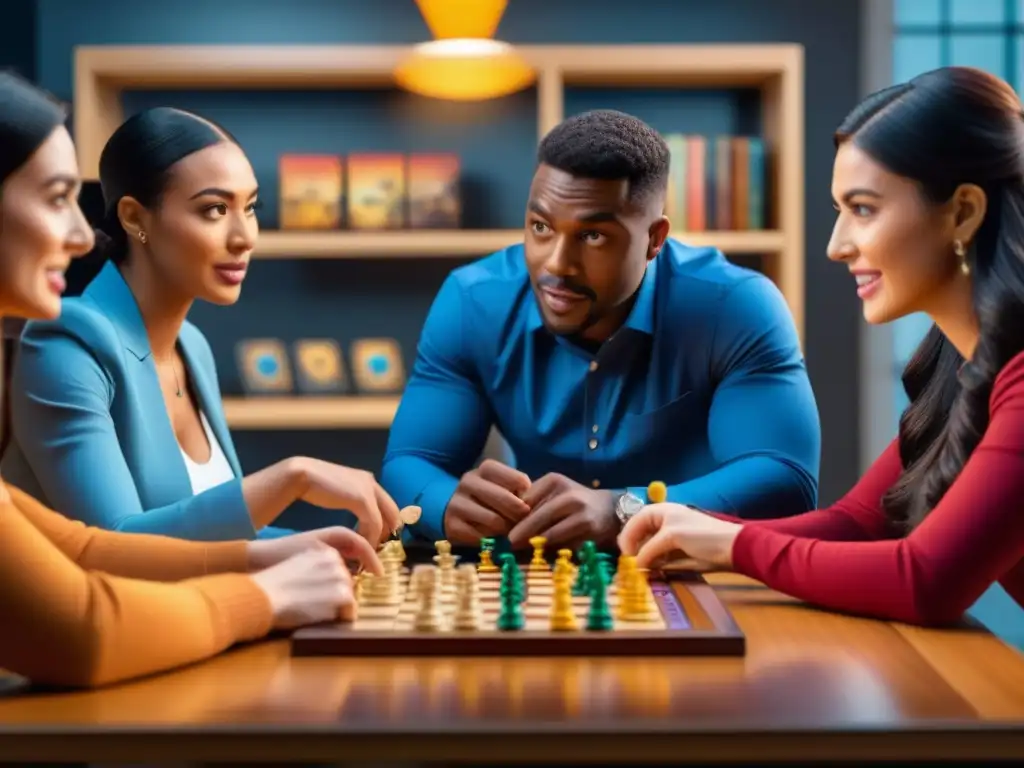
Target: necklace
(177, 384)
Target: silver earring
(142, 236)
(961, 252)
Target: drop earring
(961, 252)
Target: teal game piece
(510, 593)
(599, 617)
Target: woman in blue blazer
(116, 411)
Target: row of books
(369, 191)
(716, 183)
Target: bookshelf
(274, 413)
(465, 242)
(102, 73)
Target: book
(312, 190)
(376, 191)
(434, 197)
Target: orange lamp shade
(464, 70)
(462, 18)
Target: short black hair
(609, 145)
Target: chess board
(689, 620)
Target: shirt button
(596, 483)
(593, 443)
(594, 429)
(593, 365)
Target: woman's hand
(675, 532)
(310, 587)
(333, 486)
(264, 553)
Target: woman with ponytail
(83, 607)
(116, 407)
(928, 183)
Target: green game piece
(606, 564)
(487, 544)
(510, 592)
(599, 617)
(585, 574)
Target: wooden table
(813, 686)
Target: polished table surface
(814, 685)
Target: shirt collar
(640, 318)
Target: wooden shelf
(434, 243)
(310, 412)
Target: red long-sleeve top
(849, 557)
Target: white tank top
(215, 471)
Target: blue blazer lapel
(111, 294)
(204, 381)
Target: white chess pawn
(467, 604)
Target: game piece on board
(563, 617)
(428, 614)
(586, 569)
(374, 589)
(510, 595)
(410, 515)
(538, 563)
(467, 600)
(599, 617)
(632, 591)
(487, 564)
(603, 561)
(396, 548)
(564, 568)
(657, 492)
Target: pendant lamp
(463, 62)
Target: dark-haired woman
(81, 606)
(116, 410)
(929, 184)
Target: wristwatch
(627, 505)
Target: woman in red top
(929, 185)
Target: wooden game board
(692, 621)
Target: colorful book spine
(716, 183)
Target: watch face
(629, 505)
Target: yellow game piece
(657, 492)
(563, 617)
(538, 563)
(486, 563)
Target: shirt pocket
(677, 418)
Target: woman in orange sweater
(85, 607)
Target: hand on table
(487, 502)
(681, 534)
(566, 514)
(333, 486)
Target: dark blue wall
(348, 299)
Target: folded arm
(70, 627)
(60, 407)
(763, 425)
(443, 420)
(132, 555)
(971, 539)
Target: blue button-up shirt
(704, 388)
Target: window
(988, 34)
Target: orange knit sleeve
(67, 626)
(136, 555)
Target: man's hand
(567, 514)
(487, 502)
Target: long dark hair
(28, 116)
(947, 127)
(137, 161)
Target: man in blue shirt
(608, 356)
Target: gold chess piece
(538, 563)
(563, 617)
